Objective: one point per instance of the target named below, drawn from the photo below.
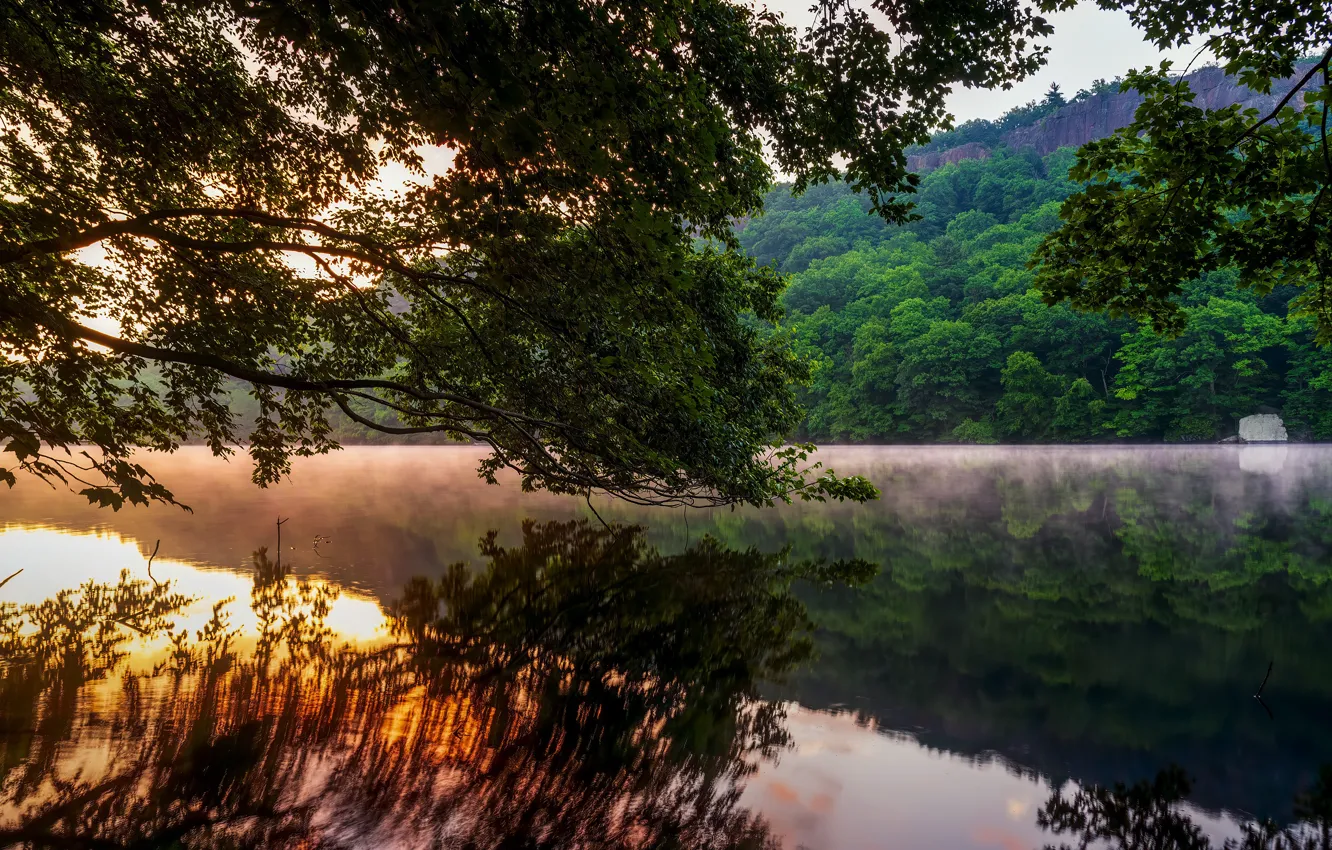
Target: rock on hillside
(937, 159)
(1099, 115)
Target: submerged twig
(280, 522)
(1259, 694)
(156, 546)
(1263, 703)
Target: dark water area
(438, 662)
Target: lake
(428, 661)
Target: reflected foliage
(1148, 814)
(580, 689)
(1083, 613)
(83, 632)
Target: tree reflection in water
(580, 690)
(1147, 815)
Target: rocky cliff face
(1100, 115)
(1077, 123)
(937, 159)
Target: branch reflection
(581, 689)
(1148, 814)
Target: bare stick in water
(156, 546)
(1259, 695)
(280, 521)
(11, 575)
(588, 496)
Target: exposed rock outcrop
(1100, 115)
(1078, 123)
(937, 159)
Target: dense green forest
(932, 331)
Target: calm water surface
(1041, 620)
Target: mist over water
(390, 513)
(1041, 616)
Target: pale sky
(1088, 43)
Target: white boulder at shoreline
(1262, 428)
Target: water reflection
(579, 689)
(1042, 616)
(1096, 617)
(1149, 814)
(53, 560)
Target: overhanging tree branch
(287, 382)
(379, 255)
(142, 225)
(1290, 95)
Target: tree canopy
(1184, 191)
(192, 200)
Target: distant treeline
(933, 332)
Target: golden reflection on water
(577, 690)
(52, 560)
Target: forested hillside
(932, 331)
